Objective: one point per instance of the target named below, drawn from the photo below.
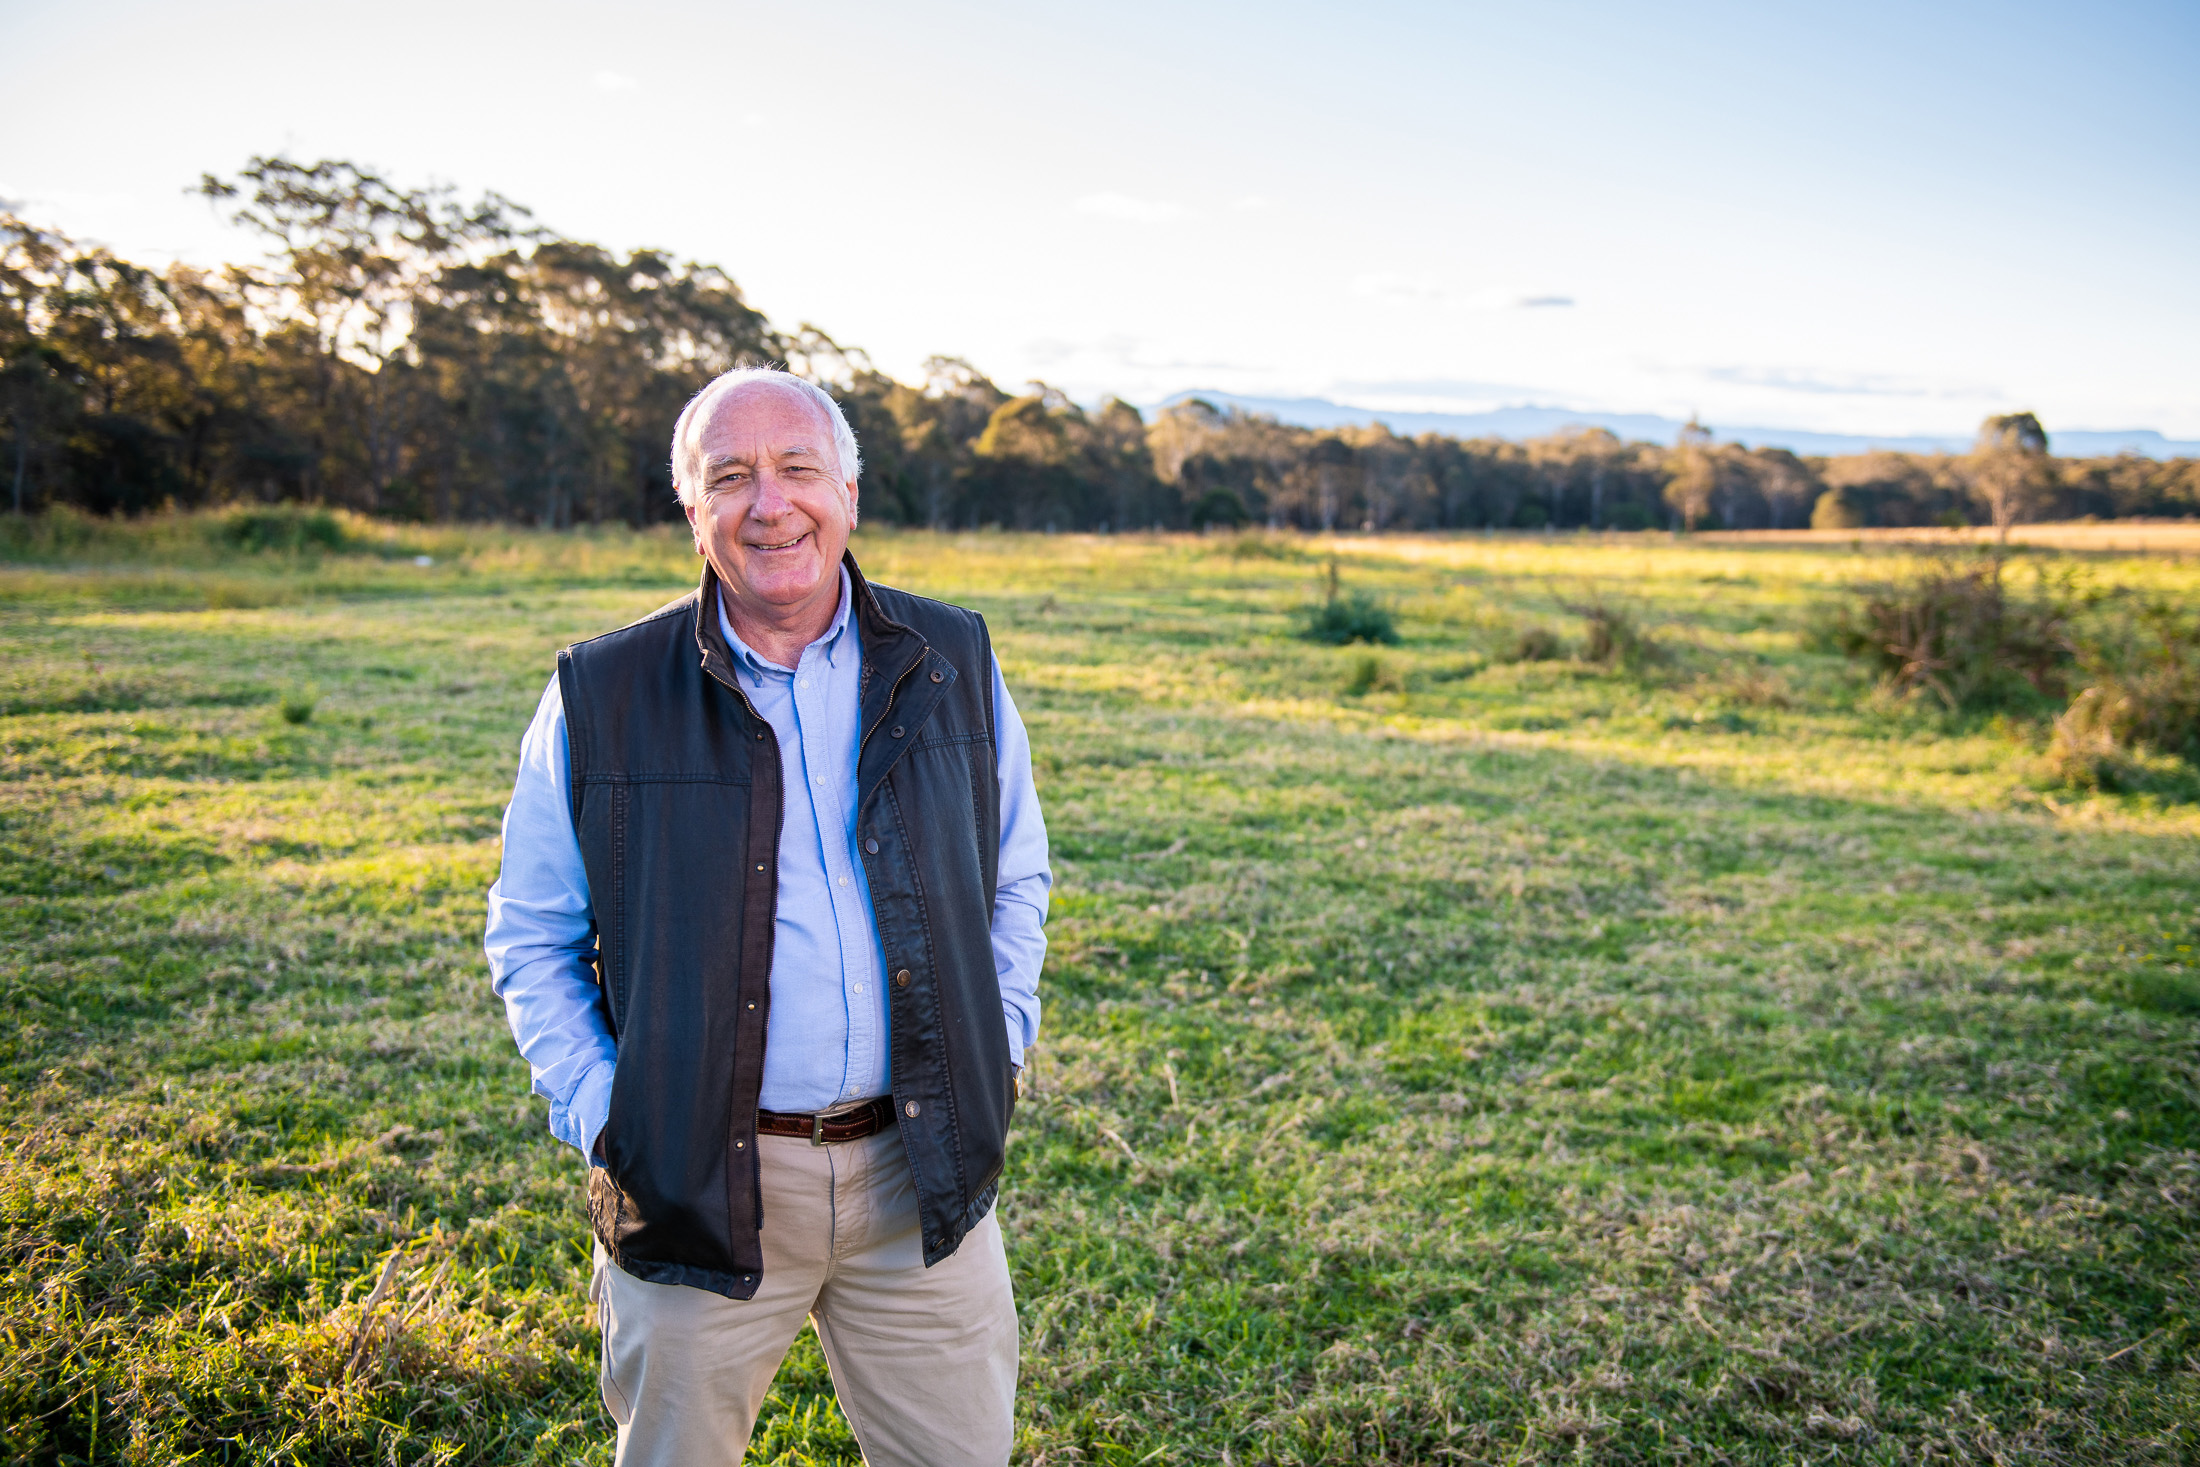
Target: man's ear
(695, 531)
(853, 511)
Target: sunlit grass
(1509, 1062)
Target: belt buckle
(819, 1118)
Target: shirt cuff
(579, 1119)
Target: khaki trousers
(923, 1359)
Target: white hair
(687, 451)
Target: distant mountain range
(1538, 422)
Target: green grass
(1455, 1059)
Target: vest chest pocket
(956, 783)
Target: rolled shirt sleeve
(541, 938)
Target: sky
(1863, 217)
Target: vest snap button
(938, 676)
(870, 848)
(910, 1109)
(901, 979)
(897, 730)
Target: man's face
(772, 514)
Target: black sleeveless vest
(676, 799)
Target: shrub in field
(1342, 619)
(1615, 638)
(280, 529)
(1354, 618)
(1370, 674)
(1536, 644)
(2138, 717)
(1959, 630)
(1754, 687)
(298, 704)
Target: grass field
(1447, 1058)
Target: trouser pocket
(607, 1323)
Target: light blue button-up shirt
(827, 1040)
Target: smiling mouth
(786, 545)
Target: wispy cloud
(1123, 206)
(1119, 351)
(1389, 285)
(1428, 290)
(1818, 384)
(613, 81)
(1454, 389)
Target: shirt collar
(830, 643)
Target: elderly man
(768, 933)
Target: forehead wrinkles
(740, 459)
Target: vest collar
(891, 650)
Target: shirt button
(843, 881)
(901, 979)
(910, 1109)
(859, 988)
(870, 846)
(802, 682)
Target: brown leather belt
(825, 1127)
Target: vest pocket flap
(915, 702)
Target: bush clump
(1340, 619)
(255, 530)
(2138, 717)
(1370, 674)
(1536, 644)
(1615, 638)
(1958, 630)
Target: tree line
(409, 353)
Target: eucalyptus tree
(1693, 474)
(350, 256)
(2007, 469)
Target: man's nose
(771, 497)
